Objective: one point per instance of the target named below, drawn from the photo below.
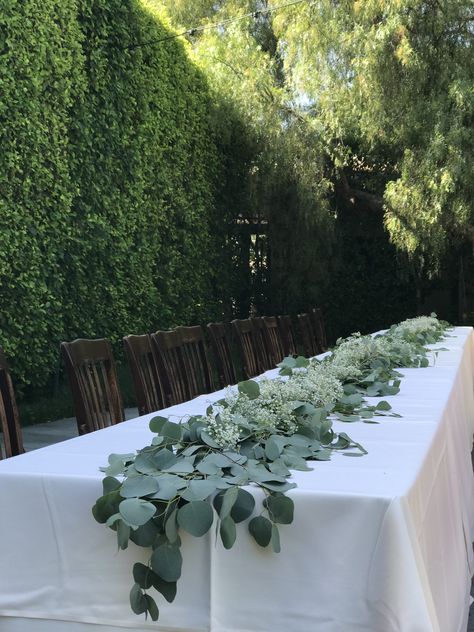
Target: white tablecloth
(379, 543)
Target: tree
(381, 94)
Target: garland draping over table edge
(193, 472)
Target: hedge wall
(112, 218)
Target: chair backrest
(196, 363)
(148, 390)
(93, 378)
(222, 354)
(170, 365)
(319, 328)
(248, 344)
(287, 335)
(264, 356)
(9, 419)
(273, 340)
(310, 344)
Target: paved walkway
(40, 435)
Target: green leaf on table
(166, 561)
(261, 530)
(277, 487)
(171, 432)
(152, 608)
(110, 484)
(123, 534)
(272, 451)
(142, 575)
(171, 526)
(169, 484)
(182, 466)
(280, 509)
(228, 532)
(145, 535)
(228, 499)
(167, 589)
(106, 506)
(135, 511)
(275, 539)
(383, 405)
(242, 507)
(137, 600)
(156, 424)
(199, 489)
(139, 486)
(250, 388)
(164, 458)
(196, 517)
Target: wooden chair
(319, 328)
(310, 344)
(9, 419)
(182, 363)
(249, 347)
(273, 340)
(222, 354)
(148, 389)
(287, 335)
(265, 357)
(196, 363)
(169, 362)
(92, 375)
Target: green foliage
(112, 218)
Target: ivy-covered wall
(111, 179)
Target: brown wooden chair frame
(308, 338)
(249, 347)
(92, 375)
(288, 337)
(222, 354)
(9, 418)
(273, 340)
(141, 359)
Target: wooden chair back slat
(12, 443)
(319, 328)
(264, 353)
(308, 338)
(222, 354)
(195, 360)
(273, 340)
(93, 378)
(249, 347)
(170, 365)
(148, 389)
(287, 335)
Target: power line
(206, 27)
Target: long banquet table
(379, 543)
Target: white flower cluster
(418, 325)
(222, 428)
(273, 410)
(355, 352)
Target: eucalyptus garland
(193, 473)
